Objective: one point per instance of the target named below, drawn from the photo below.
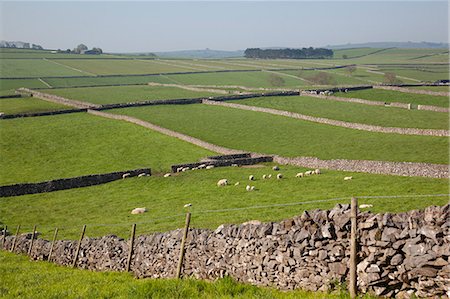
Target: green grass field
(51, 147)
(249, 79)
(9, 85)
(272, 134)
(12, 68)
(24, 279)
(353, 112)
(27, 105)
(89, 81)
(432, 88)
(105, 209)
(355, 52)
(396, 96)
(105, 67)
(124, 94)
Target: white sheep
(248, 188)
(167, 175)
(264, 176)
(251, 177)
(201, 166)
(299, 175)
(179, 169)
(185, 169)
(365, 206)
(222, 182)
(187, 205)
(276, 168)
(209, 166)
(125, 175)
(317, 171)
(142, 174)
(236, 184)
(138, 211)
(279, 176)
(348, 178)
(269, 176)
(234, 165)
(309, 172)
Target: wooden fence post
(13, 246)
(130, 253)
(53, 244)
(32, 240)
(4, 236)
(353, 261)
(183, 241)
(74, 264)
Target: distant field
(272, 134)
(165, 197)
(355, 52)
(250, 79)
(9, 85)
(13, 68)
(396, 96)
(352, 112)
(50, 147)
(335, 78)
(89, 81)
(106, 67)
(124, 94)
(27, 104)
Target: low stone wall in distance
(69, 183)
(224, 162)
(399, 255)
(46, 113)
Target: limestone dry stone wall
(399, 255)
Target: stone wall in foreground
(399, 255)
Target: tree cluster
(305, 53)
(82, 49)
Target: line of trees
(305, 53)
(82, 49)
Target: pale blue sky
(141, 26)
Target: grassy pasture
(24, 279)
(9, 85)
(249, 79)
(28, 104)
(107, 67)
(124, 94)
(273, 134)
(105, 209)
(51, 147)
(89, 81)
(336, 78)
(12, 68)
(352, 112)
(396, 96)
(432, 88)
(420, 74)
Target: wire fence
(228, 215)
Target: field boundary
(69, 183)
(416, 91)
(338, 123)
(378, 167)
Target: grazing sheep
(248, 188)
(185, 169)
(167, 175)
(179, 169)
(201, 166)
(264, 176)
(142, 174)
(125, 175)
(234, 165)
(269, 176)
(138, 211)
(236, 184)
(365, 206)
(317, 171)
(209, 166)
(252, 188)
(309, 172)
(279, 176)
(251, 177)
(222, 182)
(299, 175)
(187, 205)
(348, 178)
(276, 168)
(322, 93)
(346, 90)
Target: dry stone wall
(401, 255)
(68, 183)
(416, 91)
(33, 114)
